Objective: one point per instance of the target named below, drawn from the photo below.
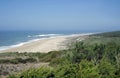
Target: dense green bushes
(85, 69)
(96, 57)
(43, 72)
(66, 71)
(97, 61)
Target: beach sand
(47, 44)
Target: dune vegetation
(95, 57)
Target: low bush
(17, 60)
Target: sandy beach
(47, 44)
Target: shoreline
(45, 45)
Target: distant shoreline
(45, 45)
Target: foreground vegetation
(96, 57)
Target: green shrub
(106, 69)
(67, 71)
(88, 70)
(42, 72)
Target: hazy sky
(59, 15)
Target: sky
(88, 15)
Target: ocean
(9, 39)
